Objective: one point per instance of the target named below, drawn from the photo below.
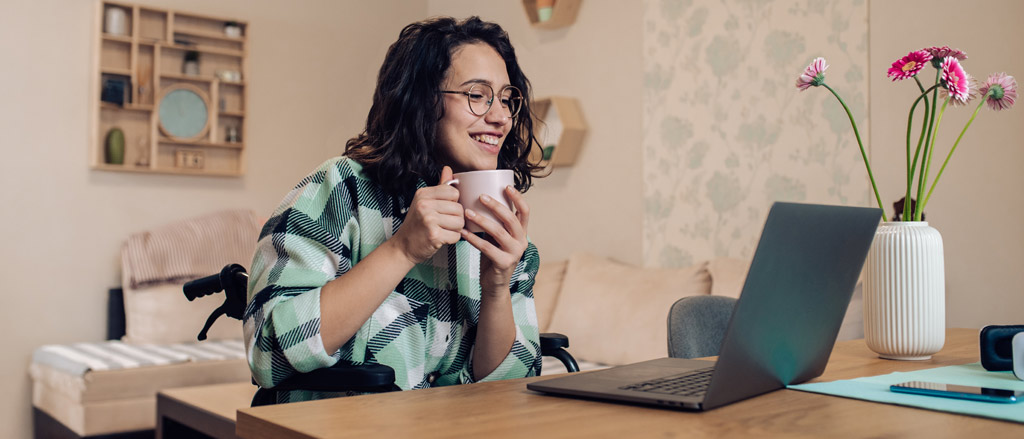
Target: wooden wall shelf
(563, 13)
(149, 58)
(560, 129)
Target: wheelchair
(342, 377)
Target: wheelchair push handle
(202, 287)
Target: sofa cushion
(545, 292)
(615, 313)
(106, 388)
(162, 315)
(727, 276)
(157, 262)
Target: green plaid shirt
(426, 327)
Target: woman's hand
(505, 242)
(434, 219)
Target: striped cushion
(79, 358)
(189, 248)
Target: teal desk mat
(876, 389)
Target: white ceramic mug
(473, 184)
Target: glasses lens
(480, 98)
(511, 101)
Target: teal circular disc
(183, 113)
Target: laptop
(782, 328)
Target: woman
(367, 260)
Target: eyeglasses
(481, 97)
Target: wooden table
(508, 409)
(210, 410)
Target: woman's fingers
(522, 209)
(492, 228)
(508, 221)
(487, 248)
(446, 175)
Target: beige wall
(595, 205)
(977, 206)
(313, 67)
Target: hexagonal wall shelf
(560, 13)
(560, 130)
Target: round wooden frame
(206, 102)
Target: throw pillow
(162, 315)
(616, 313)
(545, 292)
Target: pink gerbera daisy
(940, 53)
(955, 79)
(814, 74)
(972, 87)
(909, 65)
(944, 51)
(1004, 91)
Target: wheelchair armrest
(341, 378)
(553, 340)
(552, 344)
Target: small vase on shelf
(115, 21)
(142, 152)
(544, 8)
(191, 64)
(232, 135)
(232, 29)
(905, 292)
(115, 147)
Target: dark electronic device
(996, 346)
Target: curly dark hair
(398, 145)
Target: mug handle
(452, 182)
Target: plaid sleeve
(524, 359)
(305, 244)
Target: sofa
(97, 388)
(616, 313)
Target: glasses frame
(490, 102)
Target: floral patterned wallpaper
(726, 132)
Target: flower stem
(950, 155)
(863, 154)
(929, 142)
(926, 162)
(912, 164)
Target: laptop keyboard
(692, 383)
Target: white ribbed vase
(905, 292)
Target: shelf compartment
(207, 27)
(211, 41)
(214, 161)
(233, 97)
(152, 25)
(171, 62)
(116, 55)
(136, 129)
